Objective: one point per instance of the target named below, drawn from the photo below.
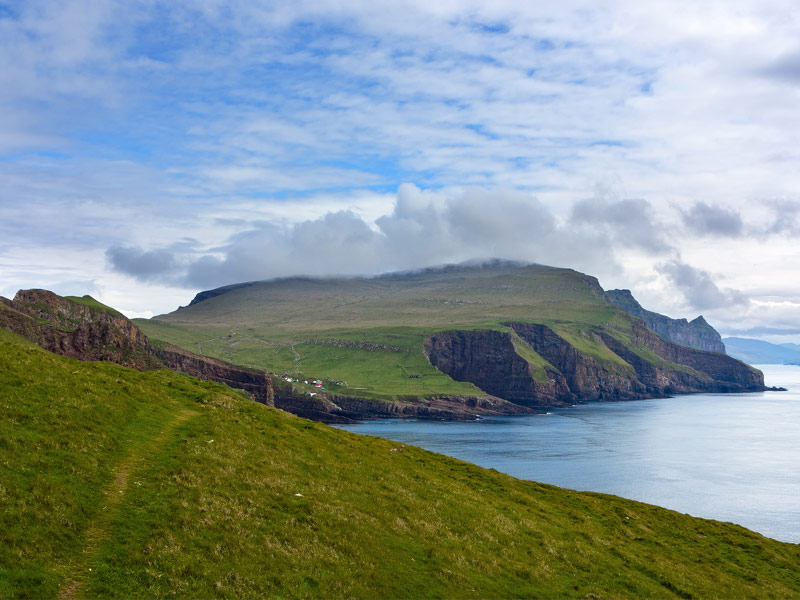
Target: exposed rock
(348, 409)
(695, 334)
(91, 333)
(437, 407)
(587, 378)
(256, 383)
(691, 370)
(489, 360)
(369, 346)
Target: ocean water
(729, 457)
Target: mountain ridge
(695, 334)
(85, 329)
(761, 352)
(596, 352)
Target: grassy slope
(269, 325)
(117, 483)
(92, 303)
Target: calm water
(720, 456)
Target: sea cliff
(695, 334)
(647, 366)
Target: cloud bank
(431, 228)
(423, 229)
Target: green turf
(120, 484)
(590, 344)
(536, 364)
(92, 303)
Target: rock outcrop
(334, 408)
(587, 378)
(695, 334)
(256, 383)
(682, 369)
(82, 331)
(87, 330)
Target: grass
(92, 303)
(590, 344)
(536, 364)
(115, 483)
(276, 325)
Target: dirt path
(99, 529)
(296, 359)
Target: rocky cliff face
(255, 383)
(587, 378)
(489, 360)
(92, 332)
(653, 366)
(684, 369)
(84, 332)
(695, 334)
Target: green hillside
(92, 303)
(369, 332)
(117, 483)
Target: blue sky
(152, 149)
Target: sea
(728, 457)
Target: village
(318, 384)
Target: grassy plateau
(117, 483)
(369, 332)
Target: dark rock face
(255, 383)
(695, 334)
(587, 378)
(489, 360)
(706, 371)
(89, 333)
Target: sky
(150, 150)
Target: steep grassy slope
(117, 483)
